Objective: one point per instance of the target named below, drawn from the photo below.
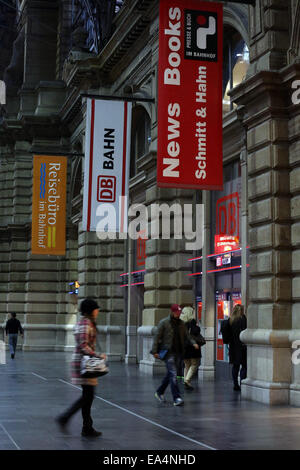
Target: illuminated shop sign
(225, 243)
(189, 151)
(227, 223)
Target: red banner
(190, 95)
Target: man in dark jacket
(13, 326)
(171, 336)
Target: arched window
(140, 136)
(235, 63)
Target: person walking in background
(12, 328)
(85, 339)
(192, 356)
(237, 350)
(168, 345)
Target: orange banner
(48, 234)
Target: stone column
(19, 231)
(269, 35)
(270, 284)
(100, 263)
(166, 279)
(207, 368)
(290, 75)
(6, 214)
(67, 303)
(131, 324)
(244, 225)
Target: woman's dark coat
(237, 349)
(189, 351)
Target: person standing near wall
(237, 349)
(12, 328)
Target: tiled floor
(35, 387)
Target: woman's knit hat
(87, 306)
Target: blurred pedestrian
(12, 328)
(168, 345)
(85, 339)
(192, 356)
(237, 349)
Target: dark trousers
(12, 341)
(236, 369)
(172, 363)
(85, 403)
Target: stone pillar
(67, 303)
(19, 231)
(100, 263)
(6, 217)
(291, 74)
(270, 284)
(207, 367)
(269, 35)
(131, 329)
(166, 279)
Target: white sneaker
(178, 402)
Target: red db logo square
(228, 217)
(106, 188)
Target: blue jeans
(12, 341)
(171, 377)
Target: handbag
(91, 367)
(200, 340)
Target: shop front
(220, 272)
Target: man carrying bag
(171, 336)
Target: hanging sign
(190, 95)
(48, 234)
(106, 169)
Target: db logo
(205, 30)
(106, 188)
(141, 249)
(228, 217)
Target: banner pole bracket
(117, 98)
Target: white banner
(106, 171)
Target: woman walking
(85, 338)
(237, 350)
